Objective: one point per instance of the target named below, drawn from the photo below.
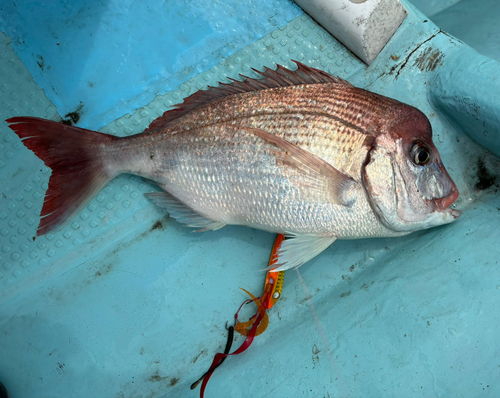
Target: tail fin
(78, 167)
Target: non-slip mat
(124, 302)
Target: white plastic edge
(363, 26)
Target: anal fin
(182, 213)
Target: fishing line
(342, 386)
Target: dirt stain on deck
(429, 60)
(484, 177)
(72, 118)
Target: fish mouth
(443, 204)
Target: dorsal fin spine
(281, 77)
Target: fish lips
(446, 187)
(443, 204)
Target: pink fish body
(297, 152)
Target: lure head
(408, 186)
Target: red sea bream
(300, 152)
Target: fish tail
(79, 169)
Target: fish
(294, 152)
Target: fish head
(406, 181)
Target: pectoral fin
(298, 249)
(320, 176)
(182, 213)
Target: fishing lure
(229, 343)
(258, 323)
(271, 294)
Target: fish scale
(271, 108)
(252, 171)
(321, 99)
(343, 150)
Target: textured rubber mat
(22, 178)
(124, 302)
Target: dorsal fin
(281, 77)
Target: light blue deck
(104, 58)
(477, 23)
(112, 307)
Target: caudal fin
(78, 167)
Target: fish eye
(420, 154)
